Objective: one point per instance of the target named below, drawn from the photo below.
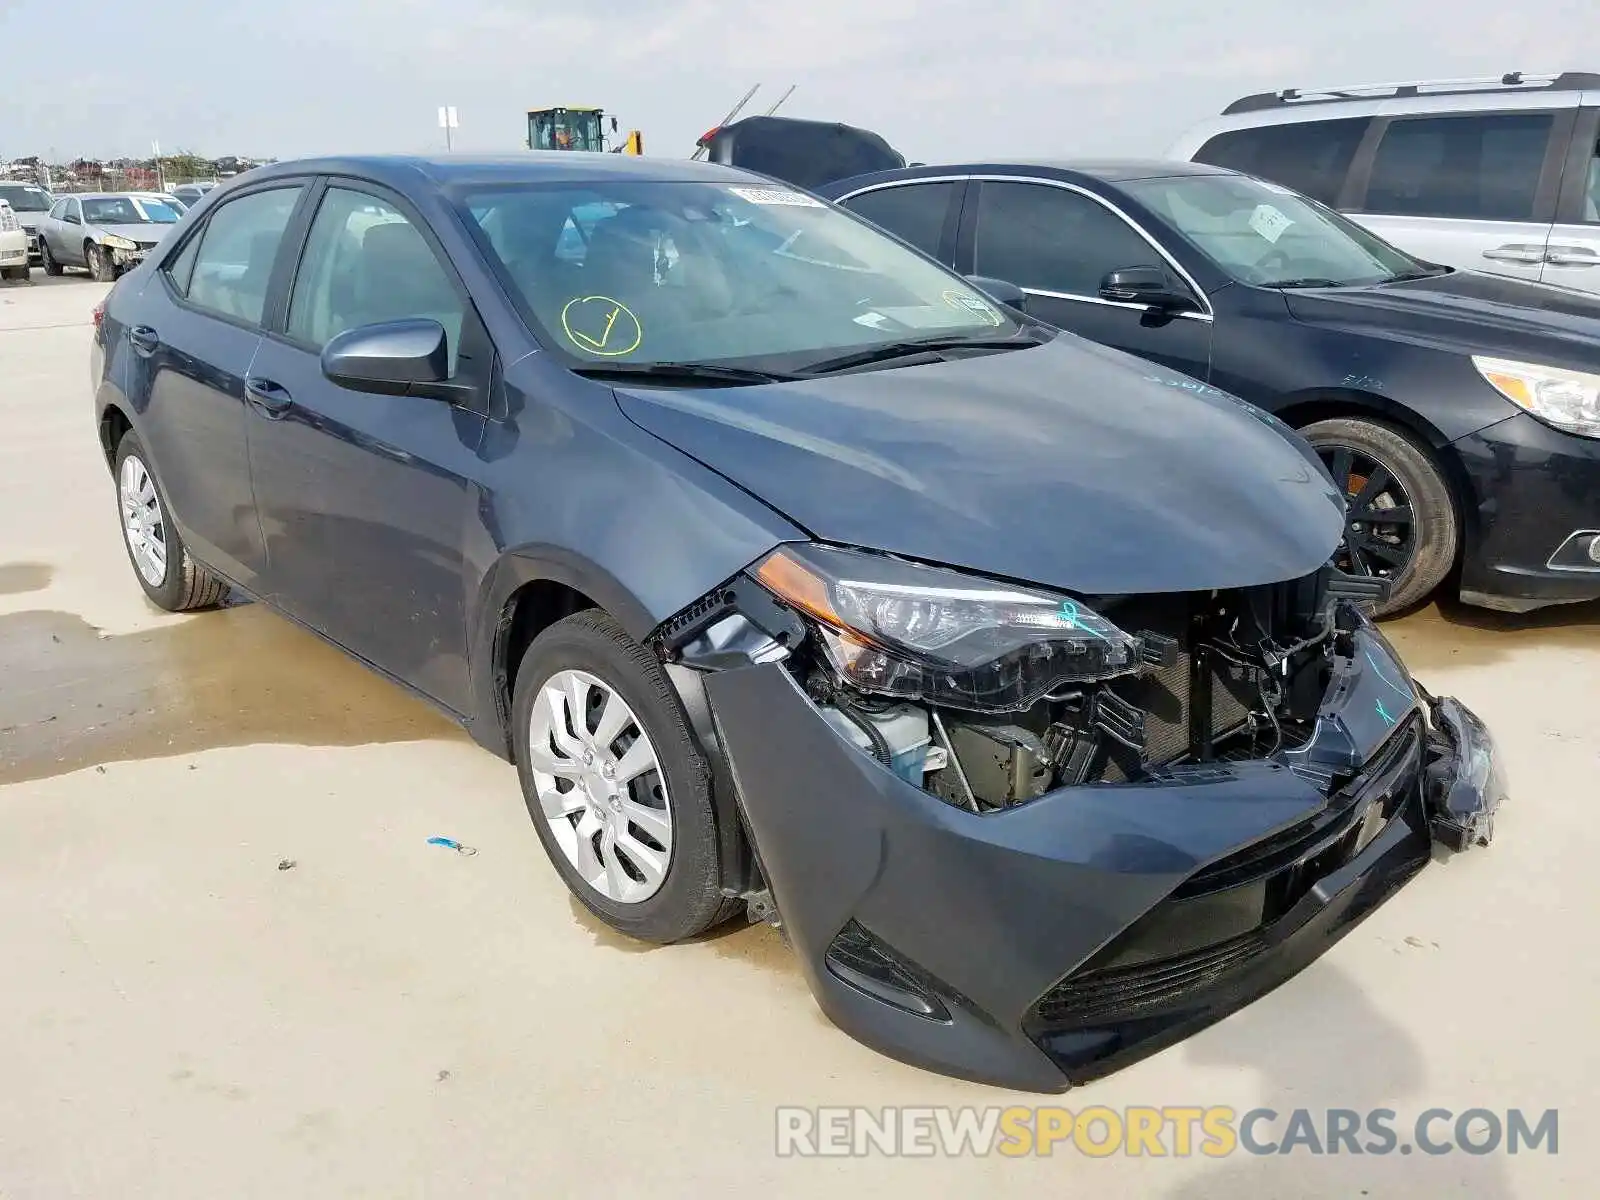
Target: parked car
(104, 232)
(13, 246)
(29, 203)
(1459, 412)
(1500, 174)
(796, 576)
(191, 193)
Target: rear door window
(1311, 157)
(1476, 166)
(233, 265)
(914, 212)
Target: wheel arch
(1308, 407)
(114, 425)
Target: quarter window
(1312, 157)
(364, 263)
(1483, 167)
(233, 265)
(914, 213)
(1050, 239)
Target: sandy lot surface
(179, 1017)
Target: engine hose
(880, 744)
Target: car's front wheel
(615, 783)
(51, 266)
(161, 563)
(1401, 524)
(101, 268)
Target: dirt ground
(231, 965)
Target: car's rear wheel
(51, 266)
(101, 268)
(161, 563)
(615, 783)
(1401, 524)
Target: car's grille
(1165, 696)
(1388, 777)
(1118, 992)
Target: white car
(13, 246)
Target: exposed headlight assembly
(119, 243)
(896, 628)
(1569, 400)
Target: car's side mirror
(1149, 286)
(393, 358)
(1000, 291)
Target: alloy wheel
(1380, 538)
(600, 786)
(144, 525)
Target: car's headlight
(1569, 400)
(119, 243)
(900, 629)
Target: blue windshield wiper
(681, 372)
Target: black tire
(1435, 533)
(16, 274)
(101, 268)
(187, 585)
(51, 266)
(689, 899)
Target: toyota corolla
(800, 577)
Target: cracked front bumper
(1053, 942)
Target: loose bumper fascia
(988, 912)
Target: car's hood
(1467, 312)
(1066, 464)
(137, 233)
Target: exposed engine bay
(1207, 677)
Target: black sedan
(798, 578)
(1459, 412)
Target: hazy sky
(940, 79)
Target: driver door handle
(1516, 253)
(1573, 256)
(270, 399)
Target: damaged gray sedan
(799, 577)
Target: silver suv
(1499, 174)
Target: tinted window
(1047, 238)
(234, 263)
(1485, 167)
(1591, 195)
(365, 263)
(1309, 156)
(181, 269)
(24, 197)
(914, 213)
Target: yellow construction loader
(574, 127)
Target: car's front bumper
(1533, 488)
(1063, 938)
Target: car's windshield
(1265, 234)
(24, 198)
(632, 272)
(128, 210)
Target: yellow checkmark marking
(618, 320)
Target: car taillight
(98, 316)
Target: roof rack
(1511, 81)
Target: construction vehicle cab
(568, 127)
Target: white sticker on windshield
(1269, 222)
(759, 195)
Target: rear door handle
(1516, 253)
(1573, 256)
(144, 340)
(269, 399)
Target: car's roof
(531, 166)
(1110, 170)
